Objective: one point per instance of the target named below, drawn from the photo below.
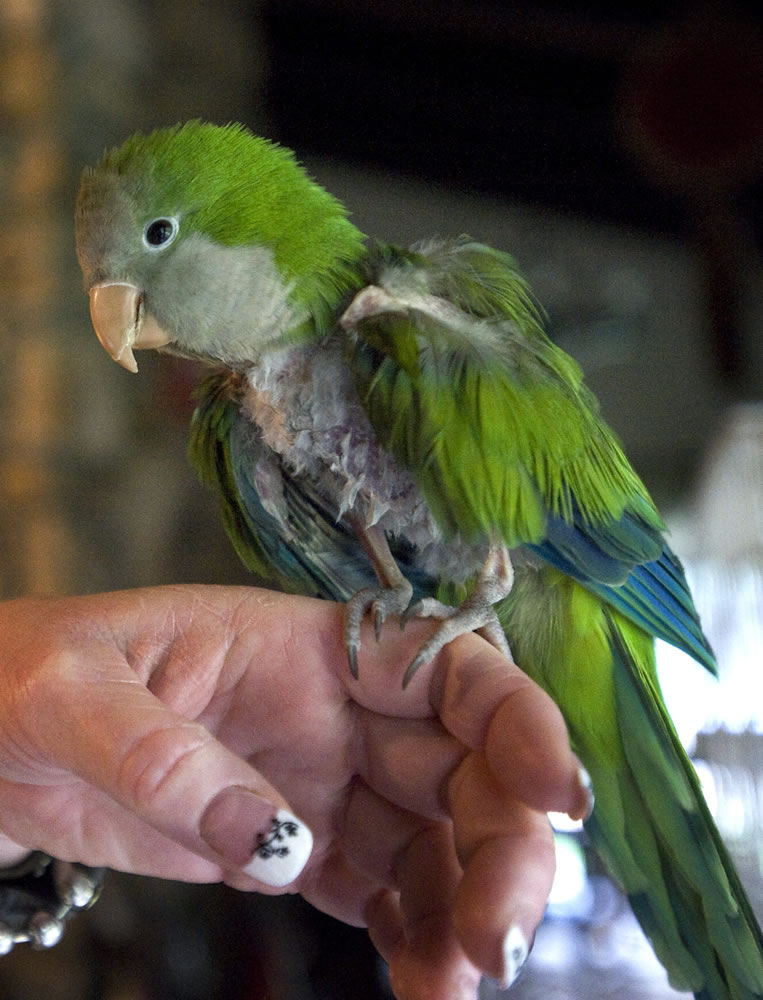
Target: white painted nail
(282, 852)
(584, 778)
(515, 952)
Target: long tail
(651, 824)
(669, 855)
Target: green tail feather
(651, 824)
(708, 939)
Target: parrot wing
(462, 385)
(654, 594)
(280, 526)
(279, 529)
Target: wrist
(37, 897)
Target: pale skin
(124, 715)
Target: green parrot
(392, 428)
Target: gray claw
(418, 661)
(381, 602)
(378, 621)
(431, 648)
(352, 656)
(475, 614)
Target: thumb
(106, 728)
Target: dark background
(639, 114)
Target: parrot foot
(381, 602)
(475, 614)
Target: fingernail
(515, 952)
(250, 833)
(586, 787)
(281, 853)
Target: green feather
(484, 387)
(650, 823)
(209, 454)
(237, 189)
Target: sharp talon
(380, 603)
(378, 622)
(413, 667)
(476, 613)
(425, 655)
(352, 656)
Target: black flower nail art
(271, 844)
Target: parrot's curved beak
(122, 323)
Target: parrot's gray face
(115, 249)
(152, 284)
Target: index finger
(489, 704)
(486, 703)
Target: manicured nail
(515, 952)
(251, 834)
(586, 786)
(282, 851)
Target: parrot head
(210, 242)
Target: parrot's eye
(160, 232)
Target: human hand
(160, 731)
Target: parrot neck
(319, 255)
(326, 285)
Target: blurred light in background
(571, 894)
(721, 542)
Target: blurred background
(617, 154)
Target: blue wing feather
(628, 564)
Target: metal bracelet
(38, 896)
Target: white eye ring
(159, 233)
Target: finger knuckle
(159, 766)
